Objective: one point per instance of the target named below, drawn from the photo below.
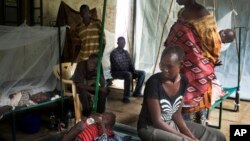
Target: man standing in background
(89, 33)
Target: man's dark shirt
(82, 74)
(120, 60)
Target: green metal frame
(100, 56)
(20, 109)
(219, 104)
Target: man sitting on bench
(122, 68)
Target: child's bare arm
(74, 131)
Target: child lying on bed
(98, 127)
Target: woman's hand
(218, 63)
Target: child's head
(92, 62)
(109, 118)
(227, 35)
(171, 61)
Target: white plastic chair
(68, 70)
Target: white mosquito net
(154, 19)
(27, 57)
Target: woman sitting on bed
(160, 118)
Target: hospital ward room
(124, 70)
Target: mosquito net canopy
(154, 20)
(27, 56)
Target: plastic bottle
(70, 119)
(69, 115)
(52, 120)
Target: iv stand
(237, 95)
